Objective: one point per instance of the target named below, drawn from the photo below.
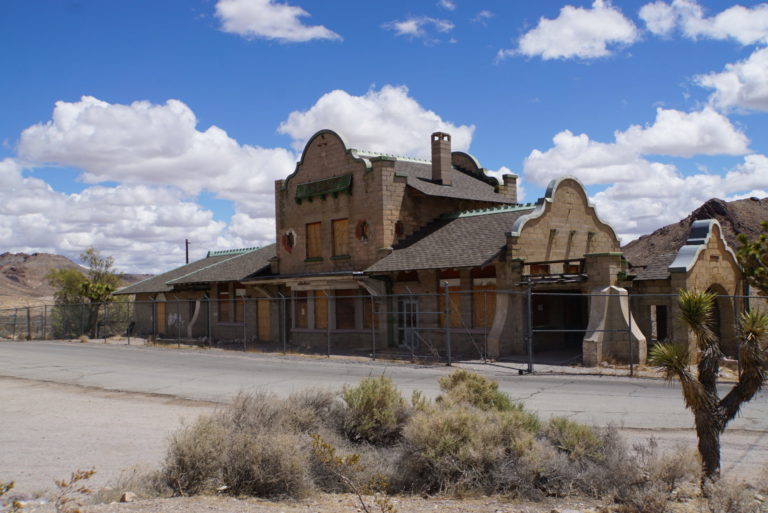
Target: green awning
(334, 185)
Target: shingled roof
(465, 239)
(235, 268)
(230, 261)
(464, 185)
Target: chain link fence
(521, 327)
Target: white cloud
(482, 17)
(387, 120)
(143, 143)
(419, 27)
(643, 195)
(682, 134)
(660, 18)
(143, 227)
(577, 33)
(664, 195)
(447, 4)
(743, 84)
(269, 20)
(743, 24)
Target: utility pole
(186, 248)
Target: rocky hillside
(735, 217)
(23, 277)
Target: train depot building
(431, 257)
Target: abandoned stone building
(377, 250)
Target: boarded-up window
(160, 317)
(370, 317)
(539, 269)
(314, 242)
(345, 308)
(483, 305)
(340, 237)
(239, 309)
(300, 309)
(321, 309)
(223, 298)
(454, 299)
(264, 333)
(572, 268)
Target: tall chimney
(441, 158)
(509, 187)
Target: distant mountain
(735, 217)
(23, 277)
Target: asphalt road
(212, 375)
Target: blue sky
(132, 125)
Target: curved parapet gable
(468, 164)
(698, 239)
(330, 136)
(544, 204)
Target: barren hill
(23, 277)
(735, 217)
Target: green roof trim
(333, 185)
(224, 252)
(488, 211)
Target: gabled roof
(464, 185)
(230, 260)
(235, 268)
(466, 239)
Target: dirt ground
(49, 430)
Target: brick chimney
(441, 158)
(509, 187)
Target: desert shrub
(728, 496)
(576, 440)
(246, 448)
(458, 447)
(313, 410)
(145, 484)
(375, 411)
(195, 457)
(650, 481)
(266, 464)
(467, 387)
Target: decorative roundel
(363, 231)
(288, 240)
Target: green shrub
(458, 447)
(576, 440)
(375, 411)
(467, 387)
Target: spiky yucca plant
(712, 414)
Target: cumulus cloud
(682, 134)
(673, 133)
(144, 227)
(743, 84)
(664, 195)
(577, 33)
(743, 24)
(420, 27)
(144, 143)
(643, 195)
(387, 120)
(269, 20)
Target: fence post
(245, 304)
(283, 323)
(29, 325)
(447, 316)
(45, 320)
(373, 328)
(328, 320)
(178, 325)
(629, 336)
(529, 307)
(106, 321)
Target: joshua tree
(711, 413)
